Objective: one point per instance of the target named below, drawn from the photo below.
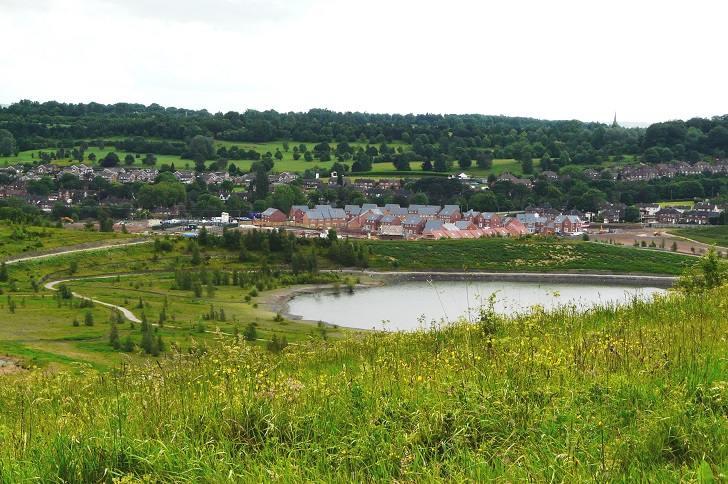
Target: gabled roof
(270, 211)
(449, 210)
(433, 225)
(413, 220)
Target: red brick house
(273, 216)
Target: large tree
(204, 145)
(7, 143)
(110, 160)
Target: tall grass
(635, 393)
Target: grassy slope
(41, 332)
(285, 164)
(17, 239)
(523, 255)
(635, 394)
(717, 234)
(44, 328)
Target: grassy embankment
(18, 239)
(716, 234)
(534, 254)
(633, 394)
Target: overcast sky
(648, 61)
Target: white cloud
(559, 59)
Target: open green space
(19, 239)
(529, 254)
(231, 295)
(714, 234)
(287, 163)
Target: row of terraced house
(395, 221)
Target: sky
(647, 61)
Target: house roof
(433, 225)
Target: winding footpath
(127, 314)
(80, 248)
(72, 249)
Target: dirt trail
(74, 248)
(127, 314)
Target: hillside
(616, 394)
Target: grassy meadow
(630, 394)
(715, 234)
(287, 163)
(143, 280)
(40, 329)
(529, 254)
(634, 393)
(17, 239)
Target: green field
(534, 254)
(631, 393)
(19, 239)
(716, 234)
(287, 163)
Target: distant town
(383, 220)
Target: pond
(406, 306)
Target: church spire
(614, 124)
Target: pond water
(407, 306)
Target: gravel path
(127, 314)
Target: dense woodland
(425, 144)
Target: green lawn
(717, 234)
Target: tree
(260, 187)
(484, 160)
(106, 224)
(88, 319)
(114, 336)
(484, 202)
(250, 333)
(711, 273)
(285, 196)
(632, 214)
(527, 165)
(203, 145)
(208, 205)
(464, 160)
(7, 143)
(129, 160)
(419, 199)
(651, 155)
(278, 155)
(110, 160)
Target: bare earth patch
(9, 365)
